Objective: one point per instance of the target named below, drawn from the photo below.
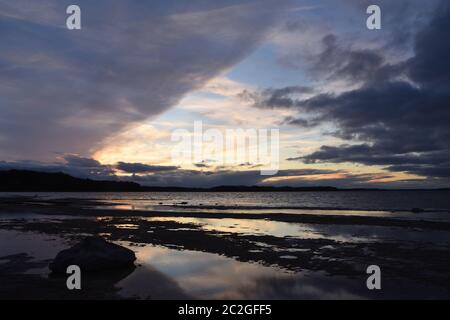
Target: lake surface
(165, 273)
(212, 257)
(351, 200)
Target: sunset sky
(355, 107)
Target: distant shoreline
(34, 181)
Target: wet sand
(323, 253)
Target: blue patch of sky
(261, 69)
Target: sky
(353, 107)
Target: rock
(93, 254)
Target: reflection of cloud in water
(127, 226)
(272, 228)
(249, 227)
(209, 276)
(148, 283)
(341, 233)
(175, 274)
(297, 287)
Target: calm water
(165, 272)
(351, 200)
(173, 274)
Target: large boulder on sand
(93, 254)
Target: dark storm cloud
(344, 63)
(368, 155)
(201, 165)
(275, 98)
(431, 64)
(76, 161)
(142, 168)
(65, 91)
(399, 116)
